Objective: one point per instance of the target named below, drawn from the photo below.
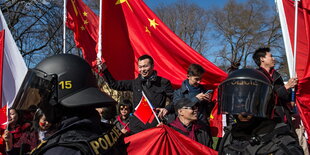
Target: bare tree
(243, 27)
(36, 26)
(189, 21)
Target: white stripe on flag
(286, 36)
(14, 67)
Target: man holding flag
(265, 61)
(155, 88)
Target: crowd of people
(77, 118)
(25, 130)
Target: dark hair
(195, 70)
(146, 57)
(36, 119)
(19, 116)
(261, 52)
(125, 103)
(32, 108)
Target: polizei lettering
(105, 141)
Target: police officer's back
(68, 95)
(247, 95)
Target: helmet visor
(245, 96)
(36, 88)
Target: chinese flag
(130, 29)
(287, 17)
(163, 140)
(84, 23)
(144, 111)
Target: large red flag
(130, 29)
(144, 110)
(163, 140)
(84, 23)
(286, 13)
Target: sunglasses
(190, 108)
(123, 108)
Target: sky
(207, 4)
(202, 3)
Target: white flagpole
(294, 75)
(99, 54)
(286, 36)
(148, 102)
(64, 26)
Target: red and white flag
(287, 18)
(144, 110)
(12, 72)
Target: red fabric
(84, 23)
(144, 111)
(216, 119)
(123, 124)
(303, 55)
(3, 117)
(127, 34)
(163, 140)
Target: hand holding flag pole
(145, 111)
(295, 49)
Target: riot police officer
(64, 87)
(247, 95)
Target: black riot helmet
(246, 92)
(59, 84)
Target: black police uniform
(259, 138)
(83, 136)
(69, 94)
(247, 94)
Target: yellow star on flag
(211, 116)
(147, 30)
(85, 22)
(82, 28)
(85, 14)
(122, 1)
(153, 23)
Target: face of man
(244, 118)
(145, 68)
(194, 80)
(268, 61)
(189, 113)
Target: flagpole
(99, 54)
(148, 102)
(295, 49)
(295, 38)
(64, 26)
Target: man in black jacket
(265, 61)
(156, 89)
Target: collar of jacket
(153, 77)
(185, 89)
